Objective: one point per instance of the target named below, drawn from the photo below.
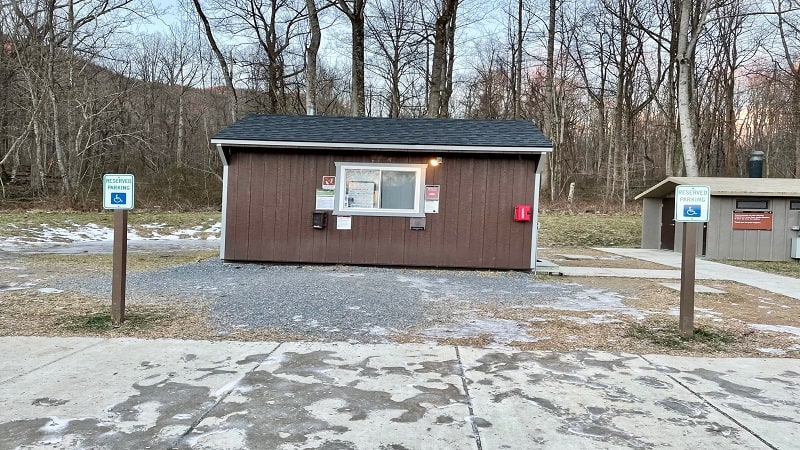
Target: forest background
(629, 91)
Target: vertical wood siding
(271, 197)
(750, 245)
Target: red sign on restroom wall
(752, 221)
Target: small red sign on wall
(752, 221)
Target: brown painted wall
(271, 197)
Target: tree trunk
(687, 39)
(223, 64)
(311, 58)
(359, 96)
(50, 86)
(441, 78)
(551, 109)
(356, 16)
(795, 73)
(180, 157)
(518, 69)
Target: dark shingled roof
(388, 131)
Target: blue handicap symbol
(118, 198)
(691, 210)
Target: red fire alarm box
(523, 213)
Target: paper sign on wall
(324, 200)
(344, 222)
(431, 199)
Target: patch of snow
(699, 312)
(593, 300)
(54, 425)
(70, 234)
(596, 319)
(503, 331)
(216, 228)
(378, 331)
(50, 291)
(17, 287)
(154, 225)
(772, 351)
(777, 328)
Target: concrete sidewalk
(704, 270)
(128, 393)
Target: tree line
(629, 91)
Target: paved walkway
(704, 270)
(67, 393)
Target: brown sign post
(692, 204)
(688, 250)
(120, 262)
(118, 195)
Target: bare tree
(354, 10)
(690, 25)
(789, 30)
(441, 76)
(396, 38)
(70, 33)
(227, 72)
(315, 40)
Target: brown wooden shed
(381, 191)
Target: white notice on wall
(344, 222)
(324, 199)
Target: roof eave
(385, 147)
(666, 186)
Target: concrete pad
(762, 395)
(120, 392)
(621, 273)
(24, 354)
(314, 395)
(698, 288)
(711, 270)
(577, 257)
(130, 393)
(589, 400)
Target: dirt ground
(742, 321)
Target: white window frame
(340, 205)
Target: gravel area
(65, 294)
(359, 304)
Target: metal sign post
(118, 195)
(691, 207)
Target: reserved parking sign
(692, 203)
(118, 191)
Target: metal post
(687, 279)
(120, 259)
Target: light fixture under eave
(434, 162)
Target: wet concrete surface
(65, 393)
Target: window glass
(379, 189)
(794, 204)
(398, 189)
(361, 189)
(752, 204)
